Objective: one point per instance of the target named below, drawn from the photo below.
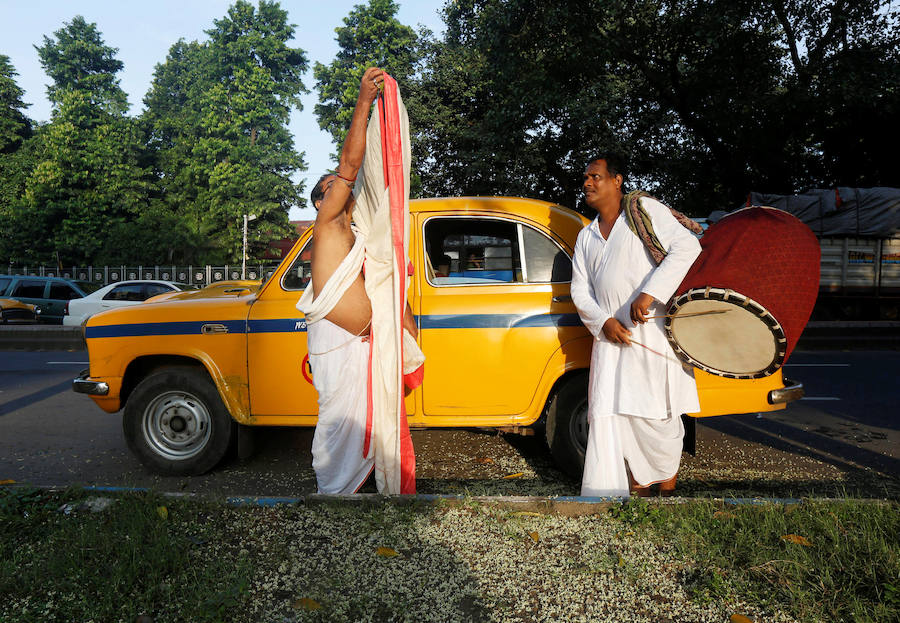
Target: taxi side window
(472, 251)
(545, 261)
(4, 283)
(297, 277)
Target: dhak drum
(745, 301)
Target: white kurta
(607, 275)
(635, 396)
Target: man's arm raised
(335, 200)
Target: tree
(371, 36)
(708, 100)
(218, 114)
(90, 175)
(514, 97)
(16, 155)
(15, 127)
(76, 58)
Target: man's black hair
(318, 191)
(615, 163)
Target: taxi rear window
(470, 250)
(473, 251)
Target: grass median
(74, 555)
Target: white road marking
(819, 398)
(817, 365)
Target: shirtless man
(339, 314)
(333, 199)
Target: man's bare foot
(638, 490)
(641, 492)
(667, 487)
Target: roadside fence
(194, 275)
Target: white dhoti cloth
(651, 449)
(339, 362)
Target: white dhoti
(617, 444)
(339, 362)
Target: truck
(859, 234)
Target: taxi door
(494, 306)
(279, 373)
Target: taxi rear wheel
(567, 425)
(176, 423)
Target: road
(843, 438)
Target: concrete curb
(567, 506)
(41, 337)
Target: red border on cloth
(392, 157)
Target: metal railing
(194, 275)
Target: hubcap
(176, 425)
(578, 427)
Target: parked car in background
(231, 287)
(119, 294)
(17, 311)
(48, 294)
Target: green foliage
(86, 174)
(708, 100)
(61, 561)
(88, 180)
(76, 58)
(15, 127)
(830, 561)
(217, 114)
(636, 512)
(371, 36)
(515, 96)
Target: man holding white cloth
(638, 389)
(355, 304)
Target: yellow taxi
(504, 345)
(12, 310)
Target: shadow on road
(29, 399)
(790, 439)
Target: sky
(143, 32)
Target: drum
(744, 303)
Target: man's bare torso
(332, 242)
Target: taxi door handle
(564, 298)
(210, 329)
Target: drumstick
(706, 313)
(653, 351)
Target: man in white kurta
(638, 389)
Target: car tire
(567, 425)
(176, 423)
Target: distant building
(278, 249)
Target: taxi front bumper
(791, 391)
(82, 384)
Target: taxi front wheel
(567, 425)
(176, 423)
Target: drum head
(733, 337)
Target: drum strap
(639, 222)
